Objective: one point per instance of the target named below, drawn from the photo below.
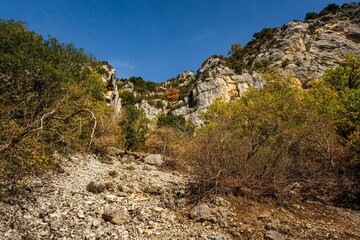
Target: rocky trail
(128, 196)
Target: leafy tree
(235, 61)
(345, 80)
(311, 15)
(346, 76)
(134, 124)
(331, 8)
(127, 98)
(51, 96)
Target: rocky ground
(127, 196)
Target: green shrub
(141, 86)
(262, 64)
(175, 122)
(279, 134)
(51, 98)
(159, 104)
(285, 63)
(134, 125)
(331, 8)
(311, 15)
(127, 98)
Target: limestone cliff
(215, 80)
(112, 96)
(307, 49)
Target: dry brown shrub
(166, 141)
(172, 94)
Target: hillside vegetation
(51, 99)
(283, 134)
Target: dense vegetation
(283, 134)
(237, 52)
(140, 85)
(133, 122)
(330, 9)
(51, 98)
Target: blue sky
(155, 39)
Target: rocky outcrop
(215, 80)
(150, 111)
(307, 49)
(184, 79)
(112, 96)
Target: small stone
(273, 235)
(110, 198)
(125, 189)
(223, 223)
(121, 194)
(147, 232)
(81, 214)
(218, 237)
(116, 216)
(152, 224)
(201, 213)
(95, 223)
(154, 159)
(271, 226)
(264, 217)
(234, 233)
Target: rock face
(307, 49)
(112, 96)
(150, 111)
(215, 80)
(182, 80)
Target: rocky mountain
(303, 49)
(306, 49)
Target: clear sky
(155, 39)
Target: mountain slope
(304, 50)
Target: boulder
(273, 235)
(117, 216)
(202, 212)
(154, 159)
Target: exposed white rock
(154, 159)
(112, 96)
(313, 46)
(215, 80)
(150, 111)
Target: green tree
(51, 98)
(134, 124)
(345, 80)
